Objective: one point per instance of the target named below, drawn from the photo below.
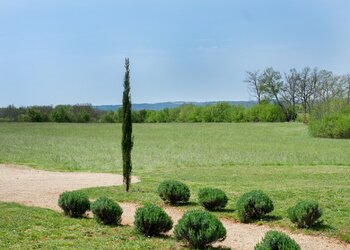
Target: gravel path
(41, 189)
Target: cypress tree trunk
(127, 140)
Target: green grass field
(281, 159)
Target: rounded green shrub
(305, 213)
(253, 205)
(174, 192)
(212, 198)
(106, 211)
(199, 229)
(74, 203)
(152, 220)
(275, 240)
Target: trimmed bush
(275, 240)
(174, 192)
(199, 229)
(106, 211)
(212, 198)
(253, 205)
(151, 220)
(74, 204)
(305, 213)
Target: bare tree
(346, 84)
(254, 84)
(289, 88)
(315, 77)
(330, 94)
(330, 86)
(305, 90)
(311, 89)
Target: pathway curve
(41, 189)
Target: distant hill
(163, 105)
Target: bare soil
(41, 189)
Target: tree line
(306, 89)
(220, 112)
(295, 95)
(61, 113)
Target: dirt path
(42, 188)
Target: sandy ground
(41, 189)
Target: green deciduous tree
(127, 139)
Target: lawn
(37, 228)
(281, 159)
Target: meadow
(280, 158)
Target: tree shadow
(187, 204)
(115, 225)
(225, 210)
(269, 218)
(321, 226)
(266, 218)
(207, 247)
(218, 248)
(161, 236)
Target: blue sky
(67, 52)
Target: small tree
(127, 140)
(253, 78)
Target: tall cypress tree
(127, 140)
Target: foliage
(62, 114)
(274, 240)
(253, 205)
(108, 117)
(83, 117)
(138, 116)
(173, 192)
(74, 203)
(305, 213)
(127, 140)
(106, 211)
(303, 89)
(333, 126)
(80, 113)
(199, 229)
(265, 112)
(331, 121)
(220, 112)
(151, 220)
(212, 198)
(34, 115)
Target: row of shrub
(251, 205)
(221, 112)
(80, 113)
(197, 228)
